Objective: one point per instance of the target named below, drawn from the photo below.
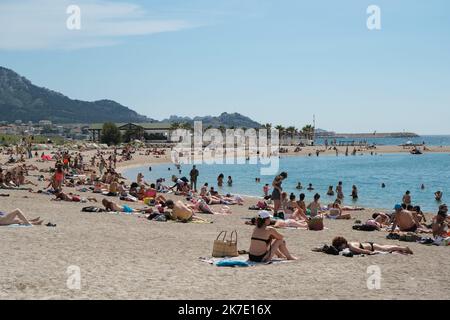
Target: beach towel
(17, 226)
(364, 227)
(92, 209)
(241, 261)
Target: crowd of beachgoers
(101, 188)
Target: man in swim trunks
(405, 220)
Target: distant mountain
(22, 100)
(227, 120)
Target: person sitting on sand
(266, 242)
(114, 207)
(17, 217)
(440, 228)
(407, 198)
(405, 220)
(330, 191)
(113, 190)
(213, 192)
(204, 190)
(301, 202)
(266, 189)
(419, 214)
(369, 248)
(181, 184)
(315, 206)
(336, 212)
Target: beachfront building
(155, 131)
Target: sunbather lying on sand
(201, 206)
(112, 206)
(61, 196)
(17, 217)
(369, 248)
(181, 211)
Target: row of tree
(111, 135)
(307, 131)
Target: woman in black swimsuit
(277, 190)
(369, 248)
(267, 242)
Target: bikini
(260, 258)
(362, 247)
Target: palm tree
(175, 126)
(291, 131)
(186, 126)
(280, 129)
(308, 131)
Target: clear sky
(278, 61)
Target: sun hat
(263, 214)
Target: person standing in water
(277, 190)
(354, 192)
(220, 180)
(330, 191)
(339, 191)
(194, 175)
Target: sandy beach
(128, 257)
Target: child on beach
(266, 189)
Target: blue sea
(400, 172)
(437, 140)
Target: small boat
(416, 151)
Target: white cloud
(41, 24)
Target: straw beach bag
(315, 223)
(225, 248)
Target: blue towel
(232, 263)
